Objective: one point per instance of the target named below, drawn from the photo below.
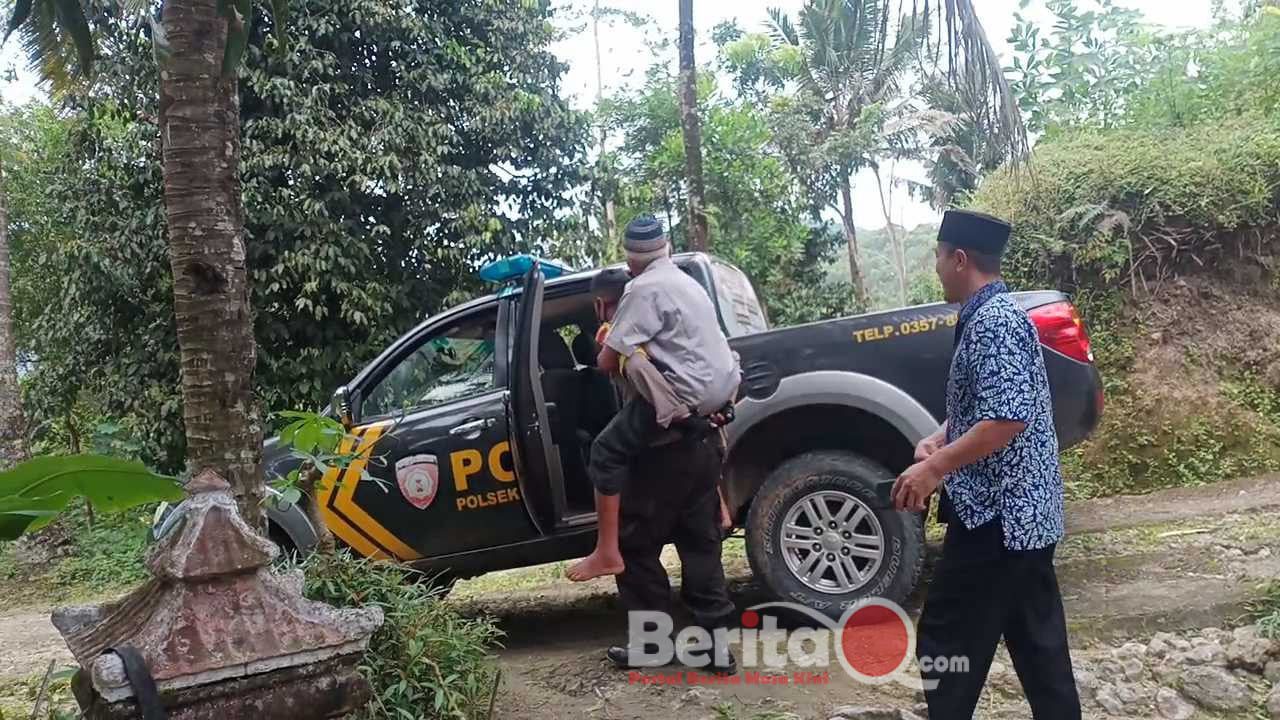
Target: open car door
(537, 461)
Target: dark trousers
(620, 443)
(982, 591)
(673, 499)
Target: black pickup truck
(482, 417)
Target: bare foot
(597, 564)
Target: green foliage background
(1157, 205)
(386, 154)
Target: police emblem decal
(419, 479)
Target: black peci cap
(974, 231)
(644, 234)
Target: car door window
(452, 364)
(738, 304)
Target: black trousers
(982, 591)
(620, 443)
(673, 499)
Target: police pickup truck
(479, 422)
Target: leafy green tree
(372, 191)
(754, 206)
(198, 46)
(853, 64)
(1103, 67)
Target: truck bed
(909, 348)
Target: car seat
(562, 392)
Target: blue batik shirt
(998, 373)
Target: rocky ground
(1157, 589)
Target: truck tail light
(1062, 329)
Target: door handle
(473, 428)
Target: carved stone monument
(221, 633)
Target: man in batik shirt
(998, 456)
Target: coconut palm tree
(13, 445)
(199, 45)
(854, 58)
(692, 132)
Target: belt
(695, 427)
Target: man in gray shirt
(667, 316)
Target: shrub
(426, 661)
(1094, 203)
(1113, 217)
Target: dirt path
(28, 642)
(1171, 560)
(1122, 511)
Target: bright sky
(625, 56)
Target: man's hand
(915, 485)
(932, 444)
(927, 447)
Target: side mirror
(342, 406)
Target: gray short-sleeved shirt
(671, 315)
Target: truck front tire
(817, 536)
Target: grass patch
(18, 697)
(733, 552)
(105, 557)
(507, 581)
(727, 711)
(1238, 530)
(1136, 450)
(426, 661)
(1265, 610)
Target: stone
(697, 695)
(1271, 671)
(1134, 670)
(1160, 645)
(1248, 650)
(1129, 651)
(1216, 689)
(215, 615)
(1204, 652)
(334, 685)
(1128, 694)
(1179, 643)
(1273, 703)
(1111, 669)
(1086, 682)
(865, 712)
(1106, 697)
(1215, 635)
(921, 710)
(908, 715)
(1170, 705)
(1262, 554)
(1167, 673)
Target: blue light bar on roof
(516, 266)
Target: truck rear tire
(816, 537)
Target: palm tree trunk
(13, 426)
(895, 242)
(851, 237)
(200, 133)
(692, 132)
(610, 215)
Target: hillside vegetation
(1169, 240)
